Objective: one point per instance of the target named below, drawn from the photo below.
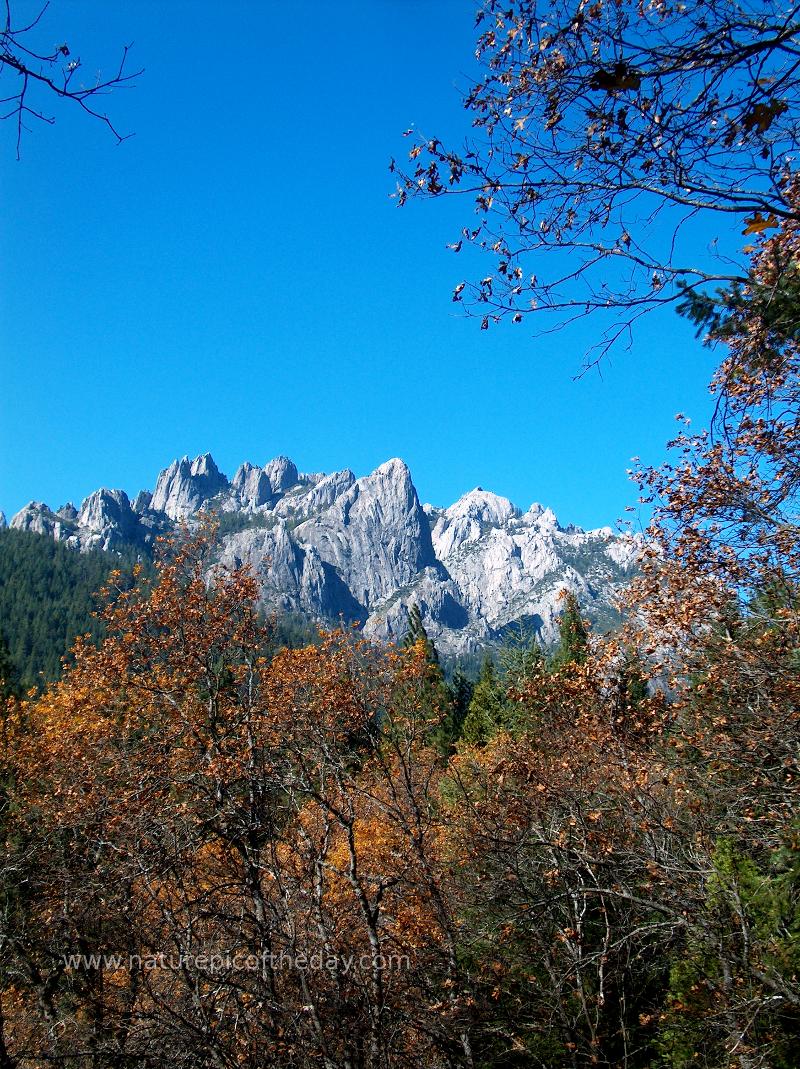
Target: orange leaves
(183, 789)
(757, 224)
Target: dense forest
(47, 598)
(50, 595)
(222, 852)
(217, 850)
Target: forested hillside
(47, 599)
(49, 594)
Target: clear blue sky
(235, 278)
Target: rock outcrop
(253, 486)
(282, 474)
(107, 521)
(334, 547)
(40, 519)
(186, 485)
(375, 534)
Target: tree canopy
(604, 134)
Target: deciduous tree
(605, 133)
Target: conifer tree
(629, 695)
(488, 711)
(573, 636)
(417, 633)
(436, 699)
(459, 695)
(9, 677)
(521, 656)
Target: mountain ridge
(365, 549)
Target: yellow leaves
(757, 224)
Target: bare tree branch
(37, 75)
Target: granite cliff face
(185, 486)
(364, 549)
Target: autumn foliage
(187, 792)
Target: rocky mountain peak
(107, 519)
(393, 469)
(375, 534)
(545, 517)
(38, 518)
(142, 501)
(326, 490)
(484, 506)
(282, 474)
(469, 518)
(204, 465)
(186, 485)
(252, 485)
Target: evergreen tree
(520, 656)
(460, 691)
(631, 682)
(628, 694)
(436, 697)
(417, 633)
(573, 636)
(9, 677)
(47, 599)
(488, 709)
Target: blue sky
(236, 279)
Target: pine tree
(9, 677)
(520, 656)
(459, 692)
(436, 699)
(629, 693)
(488, 709)
(573, 636)
(417, 633)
